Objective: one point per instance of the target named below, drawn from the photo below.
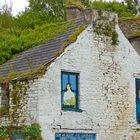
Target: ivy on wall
(102, 26)
(17, 97)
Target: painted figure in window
(69, 97)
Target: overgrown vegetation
(30, 28)
(131, 26)
(23, 35)
(123, 10)
(73, 37)
(103, 27)
(76, 3)
(44, 20)
(40, 70)
(32, 132)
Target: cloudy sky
(18, 5)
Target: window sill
(137, 127)
(72, 109)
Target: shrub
(104, 27)
(114, 38)
(32, 132)
(120, 8)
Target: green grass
(116, 7)
(133, 23)
(75, 3)
(125, 19)
(15, 40)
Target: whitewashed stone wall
(107, 89)
(25, 110)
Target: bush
(103, 27)
(3, 133)
(29, 29)
(114, 38)
(121, 9)
(32, 132)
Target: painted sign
(69, 90)
(74, 136)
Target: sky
(17, 5)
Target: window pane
(72, 80)
(69, 92)
(138, 100)
(64, 81)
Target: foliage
(32, 132)
(53, 7)
(133, 23)
(125, 19)
(75, 3)
(72, 38)
(85, 2)
(18, 92)
(104, 27)
(114, 38)
(3, 133)
(26, 35)
(120, 8)
(42, 21)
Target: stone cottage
(89, 90)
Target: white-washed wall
(107, 89)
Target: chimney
(74, 12)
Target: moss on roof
(130, 26)
(75, 3)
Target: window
(69, 91)
(74, 136)
(138, 100)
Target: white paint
(108, 106)
(107, 90)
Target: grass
(133, 23)
(40, 70)
(125, 19)
(121, 9)
(75, 3)
(15, 40)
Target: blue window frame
(69, 91)
(74, 136)
(138, 100)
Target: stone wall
(107, 89)
(87, 16)
(23, 103)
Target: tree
(85, 2)
(131, 5)
(6, 19)
(54, 7)
(5, 8)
